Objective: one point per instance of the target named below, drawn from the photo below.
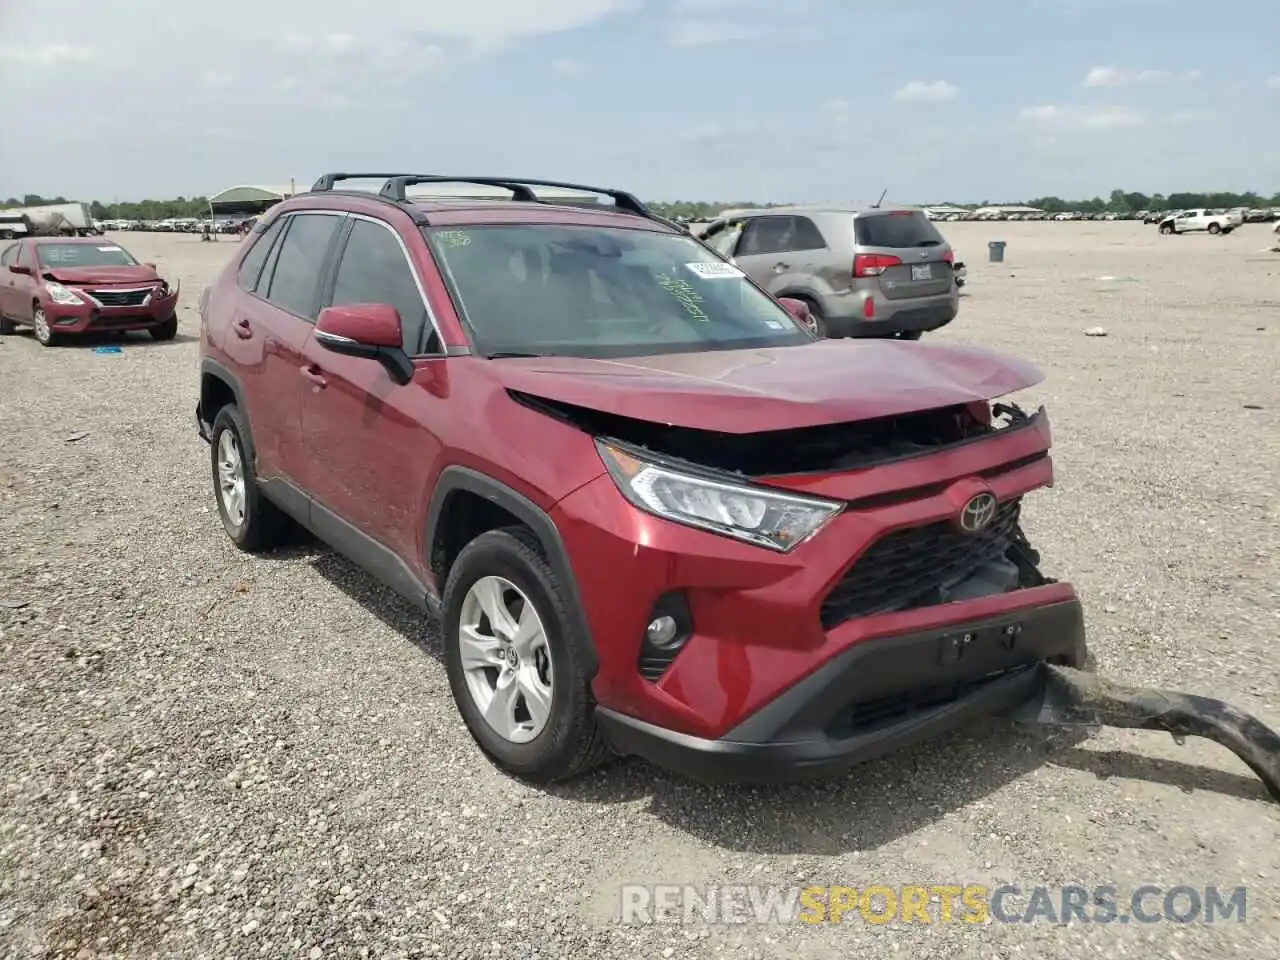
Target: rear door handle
(243, 329)
(312, 373)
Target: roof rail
(395, 186)
(394, 189)
(329, 180)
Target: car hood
(130, 274)
(776, 388)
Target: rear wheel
(516, 661)
(818, 323)
(44, 333)
(1215, 229)
(253, 522)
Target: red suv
(65, 286)
(654, 513)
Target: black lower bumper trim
(877, 697)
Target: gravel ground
(207, 755)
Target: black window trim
(332, 276)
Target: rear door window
(895, 229)
(251, 266)
(295, 281)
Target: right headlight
(766, 518)
(64, 295)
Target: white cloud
(569, 68)
(1194, 75)
(700, 23)
(216, 79)
(922, 91)
(1273, 82)
(1082, 119)
(1116, 77)
(48, 55)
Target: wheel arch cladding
(219, 388)
(456, 491)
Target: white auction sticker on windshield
(715, 270)
(108, 249)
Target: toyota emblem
(978, 512)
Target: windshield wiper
(507, 354)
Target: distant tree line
(1121, 201)
(139, 210)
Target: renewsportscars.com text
(929, 904)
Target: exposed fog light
(663, 631)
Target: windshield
(603, 292)
(83, 255)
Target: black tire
(1226, 230)
(1215, 229)
(164, 331)
(571, 742)
(1166, 229)
(264, 525)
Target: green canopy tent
(248, 201)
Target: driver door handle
(312, 373)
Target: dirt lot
(207, 755)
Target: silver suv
(863, 271)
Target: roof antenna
(876, 205)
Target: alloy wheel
(231, 478)
(506, 659)
(41, 323)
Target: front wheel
(165, 331)
(517, 662)
(44, 333)
(1215, 229)
(1166, 229)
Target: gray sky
(695, 99)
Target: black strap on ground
(1076, 698)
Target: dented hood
(136, 273)
(776, 388)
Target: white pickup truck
(1208, 221)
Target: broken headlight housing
(767, 518)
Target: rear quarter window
(895, 230)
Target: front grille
(905, 566)
(884, 711)
(120, 298)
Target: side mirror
(800, 313)
(20, 268)
(371, 331)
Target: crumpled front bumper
(877, 697)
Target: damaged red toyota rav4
(653, 512)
